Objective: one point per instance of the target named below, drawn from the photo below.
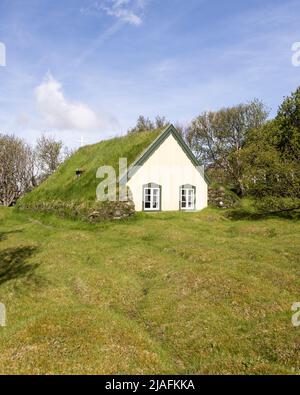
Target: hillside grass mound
(177, 293)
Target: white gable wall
(169, 167)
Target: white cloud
(164, 69)
(60, 113)
(128, 11)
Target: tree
(269, 174)
(217, 138)
(144, 124)
(181, 129)
(49, 155)
(161, 122)
(17, 169)
(22, 168)
(287, 138)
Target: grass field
(164, 293)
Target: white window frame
(152, 201)
(190, 202)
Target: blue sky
(90, 67)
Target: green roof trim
(169, 130)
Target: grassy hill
(159, 293)
(63, 184)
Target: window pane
(191, 198)
(183, 198)
(187, 198)
(151, 198)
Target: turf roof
(64, 185)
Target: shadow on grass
(244, 214)
(3, 235)
(14, 265)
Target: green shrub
(273, 204)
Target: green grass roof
(65, 186)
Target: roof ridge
(169, 129)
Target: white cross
(81, 141)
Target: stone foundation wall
(113, 210)
(93, 212)
(219, 197)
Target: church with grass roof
(166, 176)
(162, 175)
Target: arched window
(151, 197)
(187, 197)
